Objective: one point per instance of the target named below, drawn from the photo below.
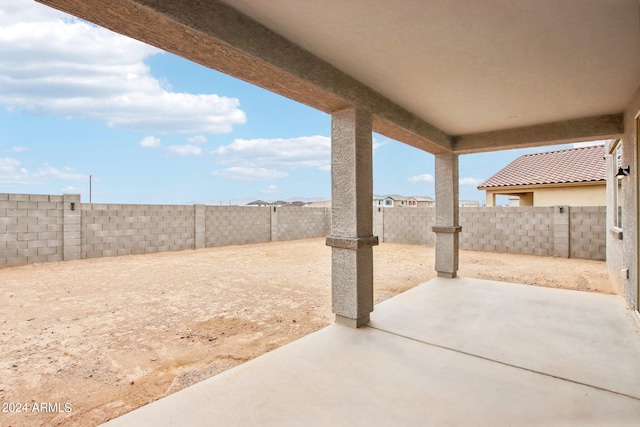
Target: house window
(387, 202)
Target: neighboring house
(378, 201)
(469, 204)
(420, 202)
(575, 177)
(276, 203)
(395, 201)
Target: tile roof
(584, 164)
(395, 197)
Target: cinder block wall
(378, 223)
(409, 225)
(31, 228)
(115, 229)
(588, 231)
(296, 222)
(577, 232)
(40, 228)
(237, 225)
(518, 230)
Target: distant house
(469, 203)
(276, 203)
(395, 201)
(420, 202)
(574, 177)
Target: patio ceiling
(440, 75)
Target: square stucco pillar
(447, 216)
(351, 238)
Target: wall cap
(351, 242)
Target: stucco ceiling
(474, 66)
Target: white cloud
(471, 181)
(54, 64)
(185, 150)
(238, 173)
(272, 189)
(66, 173)
(291, 153)
(421, 178)
(150, 142)
(18, 149)
(377, 144)
(12, 173)
(198, 139)
(325, 168)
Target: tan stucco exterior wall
(622, 245)
(587, 195)
(593, 195)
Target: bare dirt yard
(94, 339)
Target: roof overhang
(441, 76)
(521, 188)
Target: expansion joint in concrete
(511, 365)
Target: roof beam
(219, 37)
(587, 129)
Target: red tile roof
(584, 164)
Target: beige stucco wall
(592, 195)
(622, 248)
(587, 195)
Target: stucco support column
(447, 228)
(351, 238)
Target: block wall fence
(42, 228)
(562, 231)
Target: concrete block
(54, 257)
(36, 258)
(29, 252)
(46, 251)
(8, 253)
(36, 244)
(70, 243)
(44, 205)
(5, 204)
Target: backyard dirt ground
(93, 339)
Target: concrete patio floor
(450, 352)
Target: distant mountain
(305, 199)
(244, 200)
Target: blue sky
(150, 127)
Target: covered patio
(448, 352)
(449, 78)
